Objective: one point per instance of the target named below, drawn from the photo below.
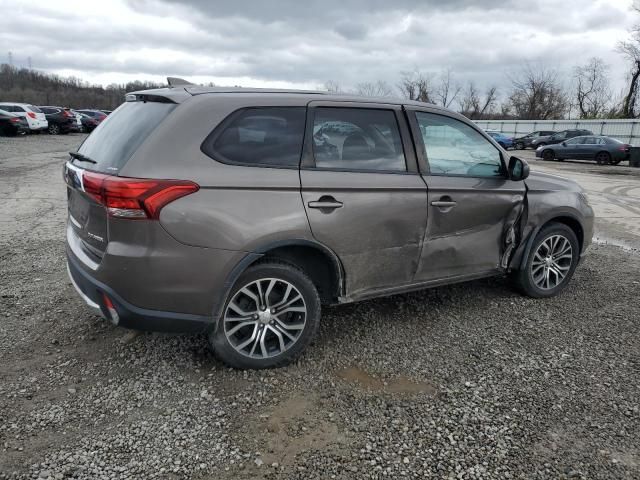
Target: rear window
(113, 143)
(261, 136)
(34, 109)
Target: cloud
(303, 44)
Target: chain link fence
(627, 131)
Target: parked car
(78, 117)
(603, 150)
(98, 115)
(12, 124)
(33, 115)
(61, 120)
(503, 140)
(89, 124)
(524, 142)
(199, 209)
(558, 137)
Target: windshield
(121, 133)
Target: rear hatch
(37, 113)
(94, 190)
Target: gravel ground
(469, 381)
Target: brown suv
(239, 212)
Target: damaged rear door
(473, 207)
(362, 192)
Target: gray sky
(298, 43)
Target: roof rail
(177, 82)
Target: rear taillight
(135, 198)
(31, 115)
(625, 148)
(67, 113)
(14, 119)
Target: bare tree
(536, 94)
(593, 94)
(415, 86)
(332, 86)
(631, 50)
(377, 89)
(474, 105)
(447, 89)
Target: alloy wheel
(551, 262)
(265, 318)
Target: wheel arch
(566, 218)
(319, 262)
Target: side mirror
(518, 169)
(564, 144)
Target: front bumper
(104, 301)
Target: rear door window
(261, 136)
(119, 136)
(357, 139)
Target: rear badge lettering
(95, 237)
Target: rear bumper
(97, 295)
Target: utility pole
(10, 59)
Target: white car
(78, 116)
(35, 118)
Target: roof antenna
(177, 82)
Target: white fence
(627, 131)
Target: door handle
(326, 203)
(444, 203)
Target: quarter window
(357, 139)
(269, 136)
(454, 148)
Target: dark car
(240, 212)
(526, 142)
(61, 120)
(604, 150)
(97, 115)
(558, 137)
(12, 124)
(89, 124)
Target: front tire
(269, 319)
(519, 146)
(548, 155)
(550, 263)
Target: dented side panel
(474, 235)
(378, 230)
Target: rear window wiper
(81, 157)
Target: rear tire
(262, 326)
(603, 158)
(519, 146)
(54, 129)
(550, 263)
